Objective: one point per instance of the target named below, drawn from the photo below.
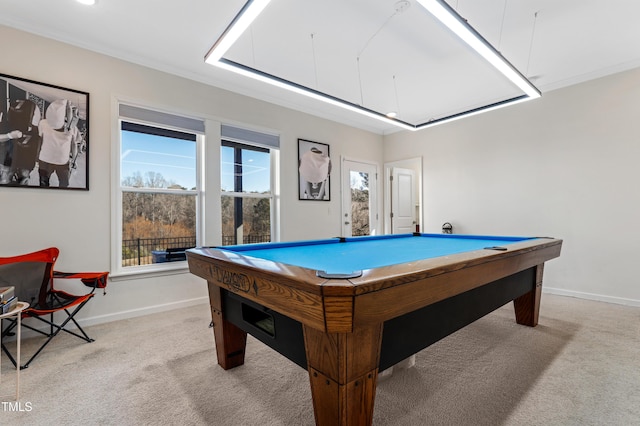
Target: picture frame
(314, 171)
(44, 135)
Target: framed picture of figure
(44, 135)
(314, 171)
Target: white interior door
(359, 198)
(403, 201)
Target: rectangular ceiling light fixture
(240, 23)
(449, 18)
(438, 8)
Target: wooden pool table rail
(379, 294)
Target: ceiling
(381, 54)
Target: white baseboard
(133, 313)
(101, 319)
(592, 296)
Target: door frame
(344, 177)
(409, 163)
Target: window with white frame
(248, 163)
(159, 196)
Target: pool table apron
(402, 336)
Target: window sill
(150, 271)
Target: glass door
(359, 198)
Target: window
(247, 178)
(246, 194)
(158, 211)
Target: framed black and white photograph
(314, 170)
(44, 135)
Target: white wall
(79, 222)
(565, 165)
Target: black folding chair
(33, 277)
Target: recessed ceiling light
(392, 114)
(88, 2)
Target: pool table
(348, 308)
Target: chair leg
(86, 337)
(11, 358)
(54, 330)
(26, 365)
(8, 332)
(60, 328)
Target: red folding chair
(33, 277)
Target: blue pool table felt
(360, 253)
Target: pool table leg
(231, 341)
(527, 306)
(343, 370)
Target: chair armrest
(90, 279)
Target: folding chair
(33, 277)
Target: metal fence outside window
(230, 240)
(144, 251)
